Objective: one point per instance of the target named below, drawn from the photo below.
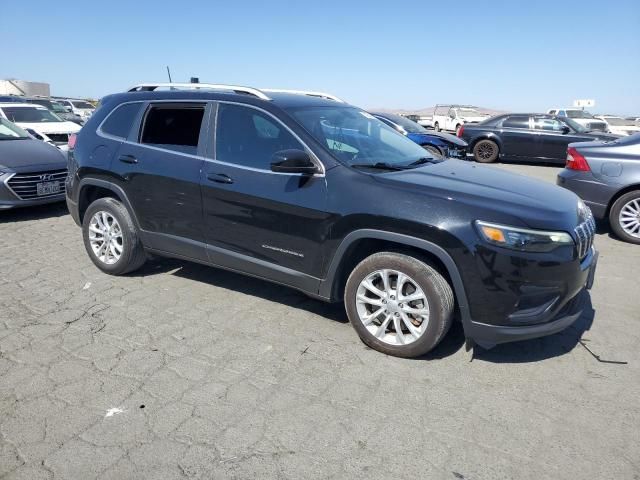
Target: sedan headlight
(523, 239)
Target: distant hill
(428, 111)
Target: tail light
(576, 161)
(72, 141)
(460, 131)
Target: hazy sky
(512, 55)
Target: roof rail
(150, 87)
(304, 92)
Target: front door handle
(128, 159)
(219, 178)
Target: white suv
(80, 107)
(40, 122)
(582, 117)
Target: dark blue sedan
(437, 143)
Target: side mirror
(565, 129)
(293, 161)
(68, 109)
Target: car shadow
(36, 212)
(519, 352)
(237, 282)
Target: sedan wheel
(485, 151)
(624, 217)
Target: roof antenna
(169, 73)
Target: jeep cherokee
(302, 189)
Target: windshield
(58, 107)
(9, 131)
(78, 104)
(409, 125)
(357, 138)
(468, 112)
(578, 114)
(30, 115)
(575, 125)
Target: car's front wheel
(486, 151)
(624, 217)
(398, 304)
(110, 237)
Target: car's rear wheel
(624, 217)
(486, 151)
(398, 304)
(110, 237)
(433, 150)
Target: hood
(51, 127)
(447, 137)
(536, 204)
(24, 154)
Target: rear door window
(173, 126)
(120, 121)
(516, 121)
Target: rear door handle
(220, 178)
(128, 159)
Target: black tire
(133, 254)
(486, 151)
(614, 216)
(436, 127)
(435, 287)
(435, 151)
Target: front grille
(58, 137)
(585, 233)
(600, 126)
(25, 185)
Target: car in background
(530, 137)
(11, 98)
(57, 108)
(619, 125)
(31, 172)
(607, 177)
(452, 117)
(437, 143)
(580, 116)
(82, 108)
(40, 122)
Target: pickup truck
(452, 117)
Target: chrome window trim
(314, 157)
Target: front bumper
(549, 318)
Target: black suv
(304, 190)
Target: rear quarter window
(120, 121)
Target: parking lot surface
(181, 371)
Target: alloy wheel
(485, 151)
(629, 218)
(105, 237)
(392, 307)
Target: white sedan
(619, 125)
(40, 122)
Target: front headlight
(522, 239)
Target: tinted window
(30, 115)
(516, 121)
(245, 136)
(121, 119)
(175, 127)
(548, 124)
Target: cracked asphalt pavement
(181, 371)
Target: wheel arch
(618, 194)
(91, 189)
(486, 136)
(359, 244)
